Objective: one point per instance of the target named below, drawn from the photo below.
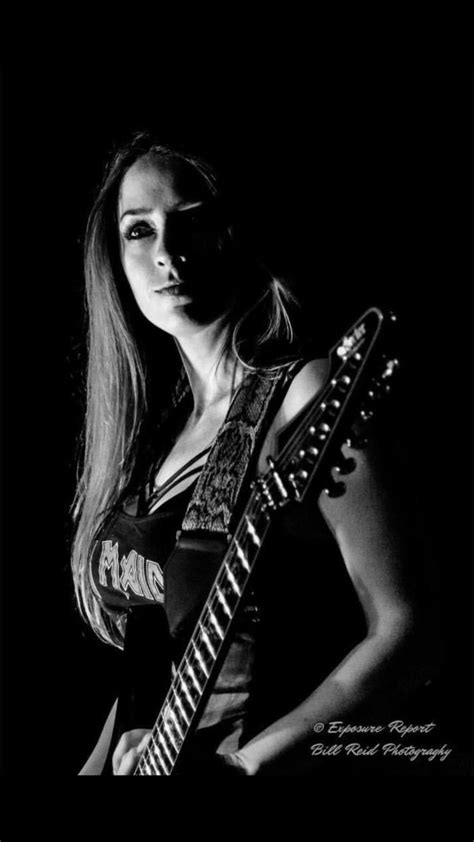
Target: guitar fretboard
(178, 713)
(304, 454)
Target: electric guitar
(361, 372)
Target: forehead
(151, 182)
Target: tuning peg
(390, 368)
(334, 489)
(341, 382)
(322, 431)
(294, 485)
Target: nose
(167, 251)
(164, 257)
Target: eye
(194, 217)
(137, 231)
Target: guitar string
(299, 435)
(171, 735)
(189, 658)
(213, 603)
(290, 445)
(223, 579)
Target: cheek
(136, 265)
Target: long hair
(128, 393)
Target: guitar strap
(213, 505)
(219, 497)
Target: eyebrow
(140, 211)
(136, 212)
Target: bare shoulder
(305, 386)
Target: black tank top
(128, 571)
(130, 554)
(301, 619)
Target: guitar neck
(308, 454)
(197, 669)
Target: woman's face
(170, 240)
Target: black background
(351, 181)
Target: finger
(127, 741)
(123, 746)
(128, 763)
(144, 742)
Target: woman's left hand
(128, 751)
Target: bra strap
(147, 503)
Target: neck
(212, 375)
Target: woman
(184, 324)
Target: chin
(175, 323)
(184, 320)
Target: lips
(179, 288)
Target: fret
(222, 600)
(228, 591)
(171, 715)
(242, 557)
(187, 693)
(157, 751)
(207, 641)
(169, 732)
(163, 742)
(145, 768)
(252, 531)
(211, 632)
(191, 672)
(178, 701)
(151, 764)
(153, 769)
(175, 713)
(216, 624)
(200, 659)
(179, 722)
(232, 579)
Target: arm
(95, 764)
(367, 524)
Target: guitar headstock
(362, 368)
(366, 350)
